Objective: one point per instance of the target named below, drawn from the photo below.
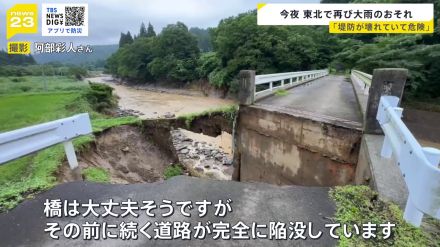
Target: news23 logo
(21, 19)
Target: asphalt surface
(330, 96)
(251, 202)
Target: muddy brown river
(156, 104)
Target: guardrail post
(384, 82)
(71, 156)
(412, 215)
(246, 92)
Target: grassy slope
(36, 172)
(359, 204)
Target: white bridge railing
(17, 143)
(419, 165)
(273, 82)
(363, 79)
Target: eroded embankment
(126, 153)
(142, 152)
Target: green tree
(143, 31)
(173, 55)
(77, 72)
(130, 62)
(125, 39)
(150, 31)
(203, 38)
(176, 54)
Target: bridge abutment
(283, 148)
(277, 145)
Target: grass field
(21, 110)
(25, 176)
(33, 84)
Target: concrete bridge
(317, 133)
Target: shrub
(100, 97)
(78, 72)
(96, 174)
(172, 171)
(25, 88)
(18, 79)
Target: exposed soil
(128, 155)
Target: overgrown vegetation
(228, 112)
(359, 205)
(172, 171)
(100, 97)
(96, 174)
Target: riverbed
(156, 104)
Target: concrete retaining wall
(383, 175)
(282, 149)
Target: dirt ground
(126, 154)
(155, 104)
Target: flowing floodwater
(157, 104)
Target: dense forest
(176, 53)
(7, 59)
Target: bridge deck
(331, 97)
